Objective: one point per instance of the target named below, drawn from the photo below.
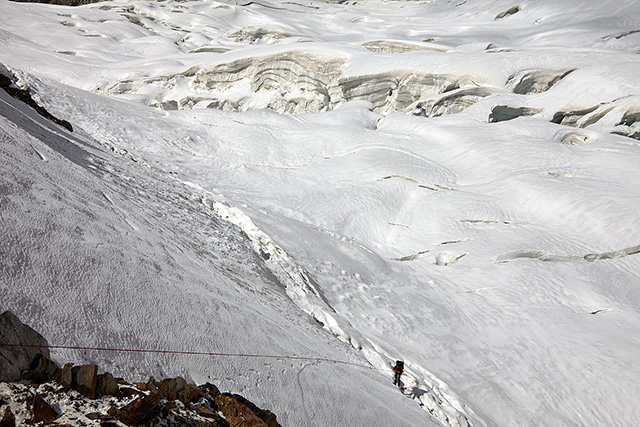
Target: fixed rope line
(192, 353)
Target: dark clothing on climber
(398, 369)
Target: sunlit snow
(451, 183)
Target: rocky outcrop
(32, 353)
(205, 407)
(266, 416)
(190, 394)
(79, 392)
(7, 83)
(236, 413)
(170, 388)
(86, 381)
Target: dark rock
(8, 419)
(112, 410)
(211, 389)
(170, 387)
(190, 394)
(85, 380)
(93, 415)
(236, 413)
(42, 370)
(65, 376)
(107, 385)
(15, 360)
(142, 386)
(140, 410)
(42, 411)
(23, 95)
(265, 415)
(108, 422)
(203, 411)
(220, 423)
(152, 388)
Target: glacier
(451, 183)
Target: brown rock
(107, 385)
(42, 370)
(42, 411)
(112, 410)
(65, 376)
(170, 387)
(152, 388)
(93, 415)
(221, 423)
(236, 412)
(203, 411)
(235, 421)
(142, 386)
(189, 395)
(141, 409)
(265, 415)
(152, 381)
(210, 388)
(85, 380)
(8, 419)
(108, 422)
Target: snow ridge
(430, 393)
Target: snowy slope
(444, 182)
(98, 254)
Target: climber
(398, 369)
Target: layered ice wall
(282, 67)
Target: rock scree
(35, 391)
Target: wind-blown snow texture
(452, 183)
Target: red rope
(197, 353)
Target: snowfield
(451, 183)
